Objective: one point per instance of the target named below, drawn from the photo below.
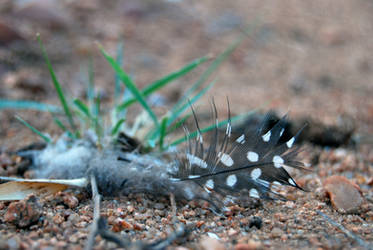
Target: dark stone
(255, 221)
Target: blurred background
(304, 58)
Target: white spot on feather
(210, 184)
(252, 156)
(266, 136)
(276, 183)
(193, 176)
(291, 181)
(241, 139)
(194, 160)
(200, 138)
(225, 159)
(278, 161)
(290, 142)
(254, 193)
(256, 173)
(229, 130)
(231, 180)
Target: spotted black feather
(253, 162)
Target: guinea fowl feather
(253, 162)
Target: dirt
(304, 58)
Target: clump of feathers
(250, 165)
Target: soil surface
(308, 59)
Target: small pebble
(232, 232)
(24, 213)
(58, 219)
(345, 195)
(159, 206)
(255, 221)
(74, 218)
(120, 225)
(251, 245)
(70, 200)
(277, 232)
(208, 243)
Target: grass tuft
(89, 110)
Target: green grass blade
(174, 75)
(154, 86)
(214, 65)
(116, 128)
(163, 130)
(24, 104)
(43, 136)
(178, 112)
(206, 129)
(91, 84)
(97, 121)
(117, 91)
(82, 107)
(57, 86)
(94, 118)
(63, 127)
(97, 107)
(126, 80)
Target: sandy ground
(305, 58)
